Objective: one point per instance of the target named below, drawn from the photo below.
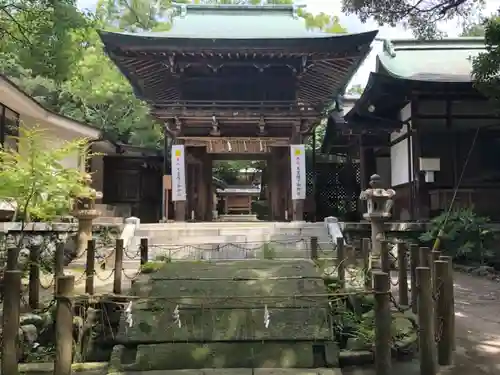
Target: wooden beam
(235, 145)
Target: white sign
(178, 173)
(298, 165)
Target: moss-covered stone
(224, 355)
(229, 301)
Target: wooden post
(356, 245)
(424, 257)
(365, 251)
(144, 251)
(59, 259)
(314, 248)
(12, 258)
(10, 323)
(451, 291)
(58, 262)
(64, 326)
(117, 282)
(385, 261)
(402, 274)
(341, 261)
(383, 322)
(180, 210)
(350, 254)
(90, 267)
(34, 277)
(426, 322)
(435, 254)
(444, 309)
(414, 263)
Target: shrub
(465, 236)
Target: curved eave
(385, 93)
(152, 42)
(335, 122)
(388, 95)
(336, 59)
(430, 61)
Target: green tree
(42, 36)
(421, 17)
(98, 94)
(35, 181)
(355, 90)
(486, 66)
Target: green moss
(151, 267)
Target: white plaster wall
(54, 138)
(399, 152)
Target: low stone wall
(351, 231)
(46, 236)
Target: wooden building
(237, 82)
(422, 126)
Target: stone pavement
(477, 309)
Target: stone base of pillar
(180, 210)
(298, 210)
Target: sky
(354, 25)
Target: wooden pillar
(367, 162)
(200, 184)
(416, 154)
(208, 192)
(273, 184)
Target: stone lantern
(379, 205)
(84, 210)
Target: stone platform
(222, 310)
(237, 217)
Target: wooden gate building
(237, 82)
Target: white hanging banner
(178, 173)
(298, 175)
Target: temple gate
(235, 82)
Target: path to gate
(477, 308)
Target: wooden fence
(430, 297)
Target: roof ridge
(457, 42)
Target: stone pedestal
(298, 210)
(180, 210)
(379, 205)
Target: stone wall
(15, 235)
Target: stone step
(108, 220)
(213, 249)
(175, 233)
(243, 237)
(211, 225)
(162, 238)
